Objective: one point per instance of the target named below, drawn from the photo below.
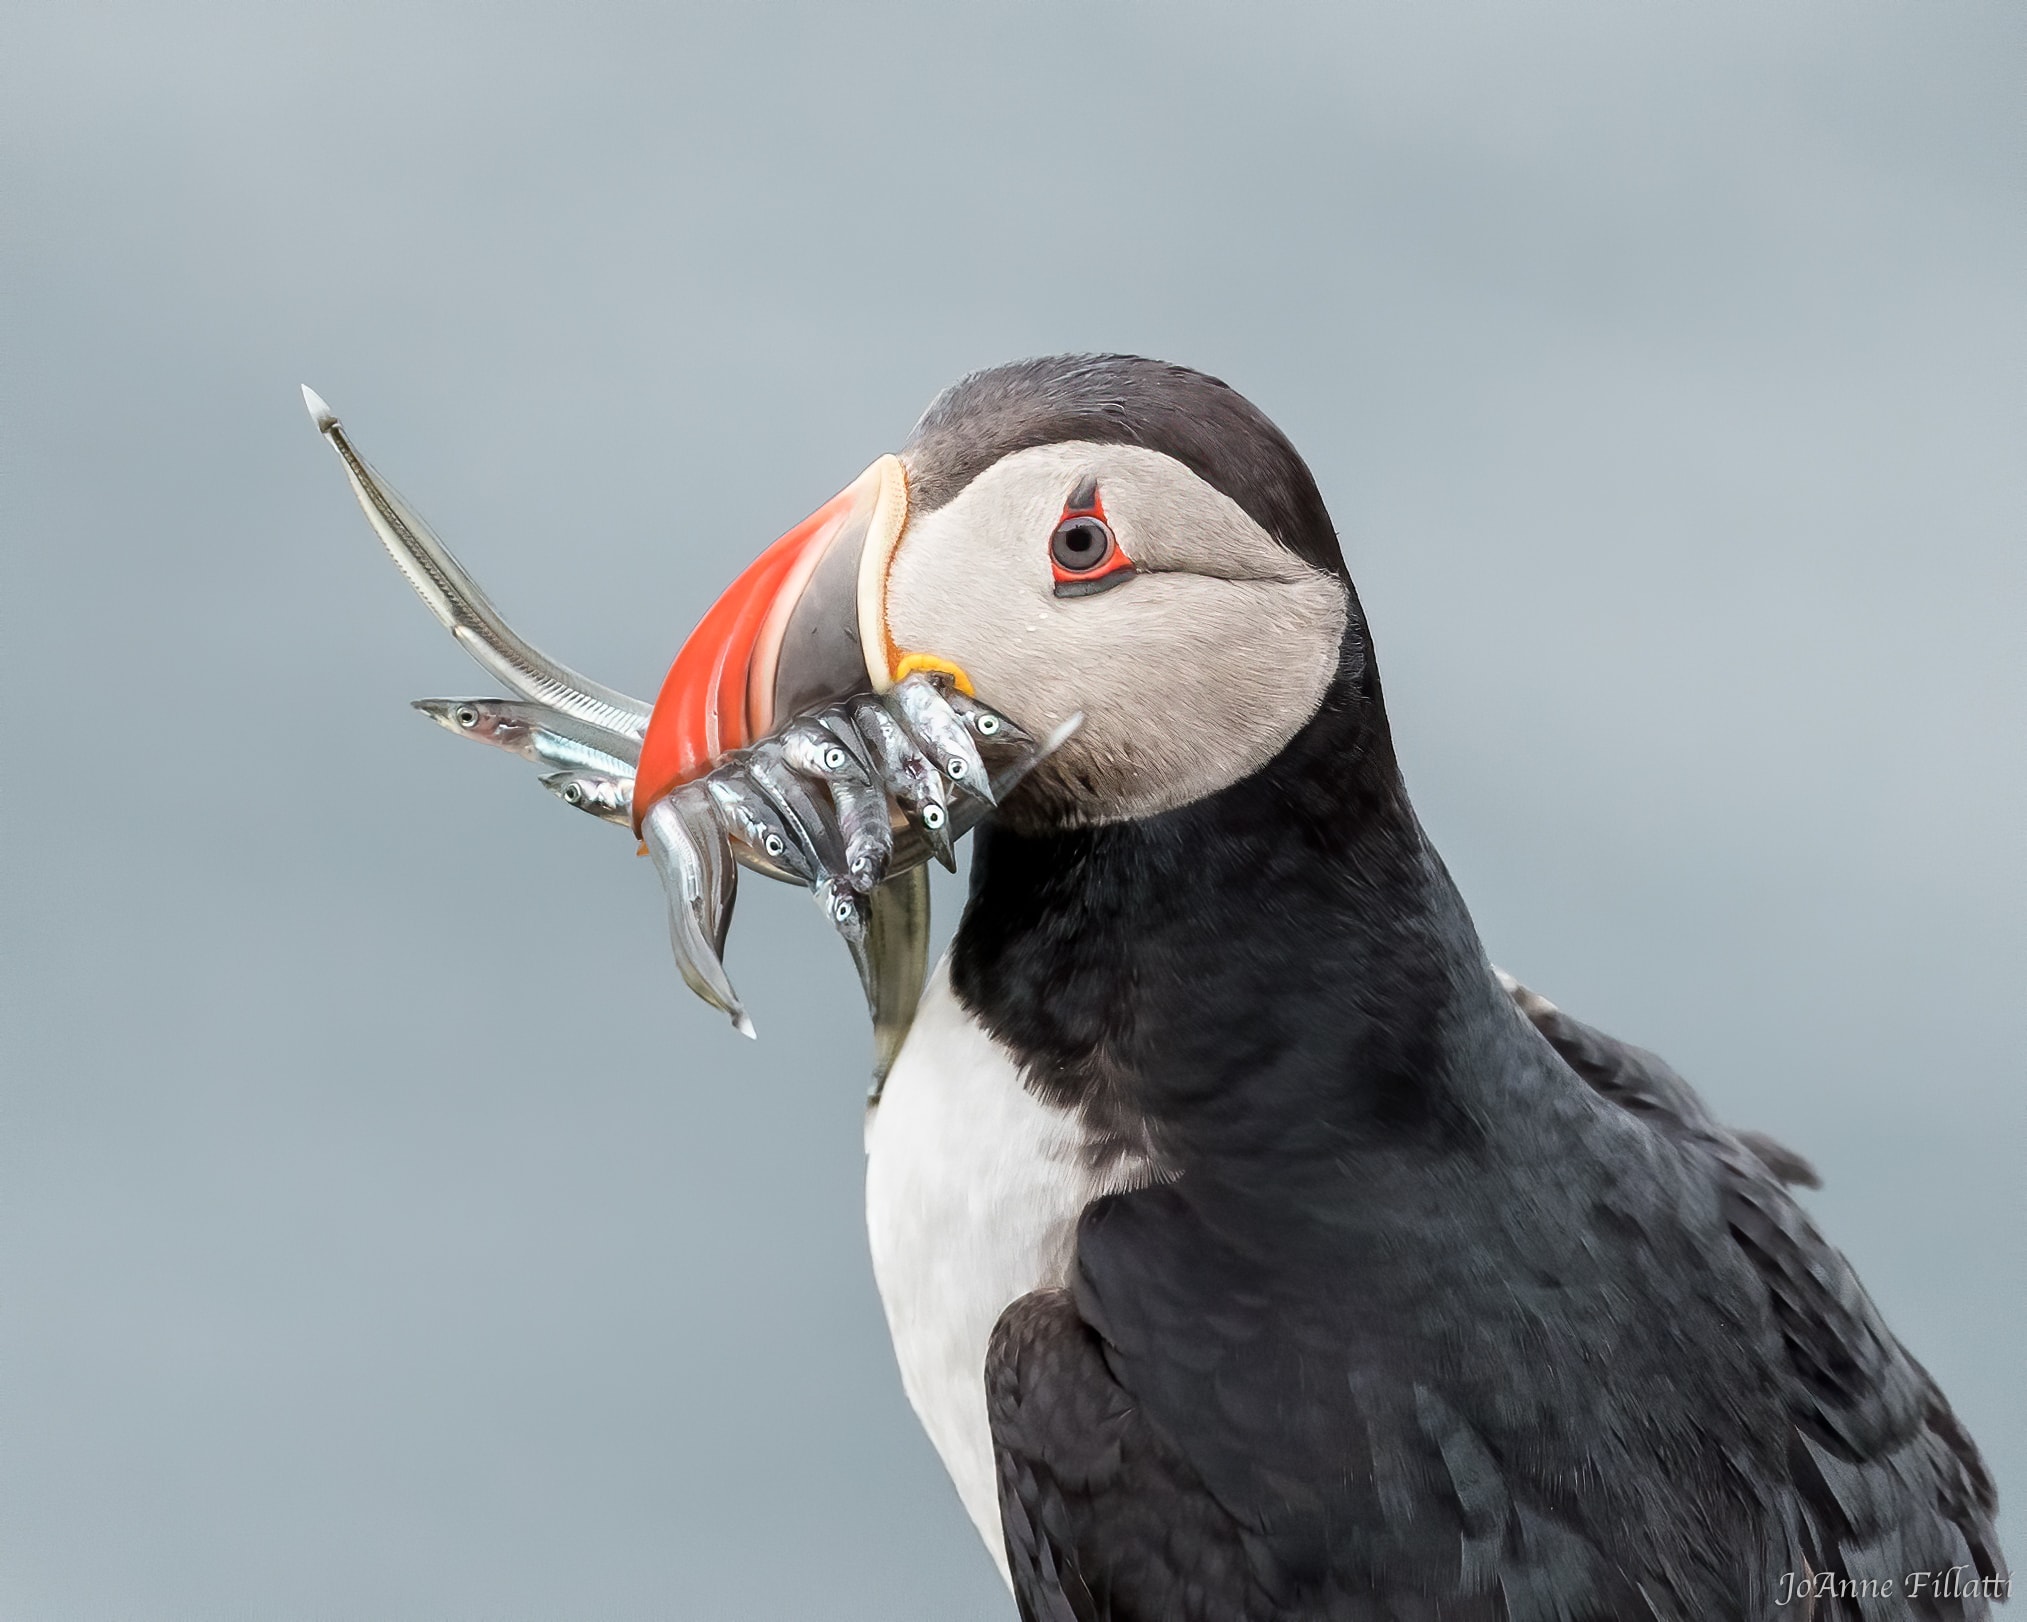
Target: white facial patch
(1191, 674)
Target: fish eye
(773, 845)
(932, 817)
(1081, 543)
(988, 726)
(465, 716)
(955, 767)
(834, 759)
(842, 911)
(574, 793)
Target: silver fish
(944, 738)
(803, 818)
(1010, 777)
(906, 774)
(991, 728)
(911, 846)
(454, 597)
(535, 733)
(897, 957)
(838, 722)
(844, 907)
(816, 751)
(759, 836)
(690, 854)
(610, 799)
(867, 832)
(849, 916)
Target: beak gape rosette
(790, 737)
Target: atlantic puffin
(1250, 1251)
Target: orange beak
(805, 624)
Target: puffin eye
(1084, 555)
(1081, 544)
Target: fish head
(489, 720)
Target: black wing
(1645, 1083)
(1184, 1434)
(1104, 1520)
(1213, 1483)
(1868, 1416)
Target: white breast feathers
(973, 1190)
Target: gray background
(386, 1233)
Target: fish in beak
(454, 597)
(735, 759)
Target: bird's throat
(1258, 976)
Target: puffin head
(1098, 534)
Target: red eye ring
(1084, 554)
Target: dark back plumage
(1418, 1322)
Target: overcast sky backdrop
(386, 1233)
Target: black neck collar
(1282, 969)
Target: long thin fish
(760, 838)
(912, 847)
(519, 729)
(688, 849)
(610, 799)
(944, 738)
(992, 729)
(897, 952)
(816, 751)
(527, 712)
(807, 825)
(1006, 781)
(907, 776)
(850, 917)
(455, 599)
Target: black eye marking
(1084, 555)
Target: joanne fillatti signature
(1954, 1582)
